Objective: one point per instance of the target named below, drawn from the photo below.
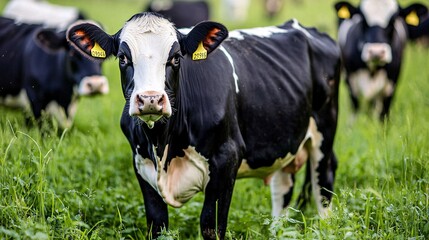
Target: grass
(79, 184)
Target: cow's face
(84, 73)
(148, 48)
(381, 21)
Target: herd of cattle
(204, 105)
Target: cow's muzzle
(93, 85)
(150, 106)
(376, 54)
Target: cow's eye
(175, 60)
(123, 60)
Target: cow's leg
(354, 99)
(322, 167)
(156, 209)
(218, 193)
(386, 107)
(281, 186)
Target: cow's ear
(345, 10)
(203, 39)
(414, 14)
(91, 40)
(50, 40)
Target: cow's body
(262, 98)
(42, 12)
(372, 39)
(39, 76)
(183, 14)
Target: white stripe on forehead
(378, 12)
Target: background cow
(41, 72)
(42, 12)
(372, 39)
(199, 114)
(182, 13)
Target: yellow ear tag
(412, 19)
(97, 51)
(344, 13)
(200, 53)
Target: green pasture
(80, 184)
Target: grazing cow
(372, 39)
(41, 72)
(199, 114)
(42, 12)
(183, 14)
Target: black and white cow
(41, 72)
(199, 114)
(372, 38)
(183, 14)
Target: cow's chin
(150, 119)
(373, 65)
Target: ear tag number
(200, 53)
(97, 51)
(344, 13)
(412, 19)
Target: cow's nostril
(161, 100)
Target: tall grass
(79, 183)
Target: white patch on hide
(231, 61)
(262, 32)
(296, 25)
(280, 184)
(369, 87)
(41, 12)
(345, 27)
(185, 176)
(19, 101)
(56, 111)
(378, 12)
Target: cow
(40, 72)
(372, 38)
(203, 109)
(42, 12)
(179, 11)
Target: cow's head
(379, 19)
(84, 73)
(148, 47)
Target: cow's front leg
(218, 194)
(156, 209)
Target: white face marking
(378, 12)
(234, 74)
(185, 176)
(150, 39)
(41, 12)
(262, 32)
(280, 184)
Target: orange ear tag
(412, 19)
(344, 13)
(97, 51)
(200, 53)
